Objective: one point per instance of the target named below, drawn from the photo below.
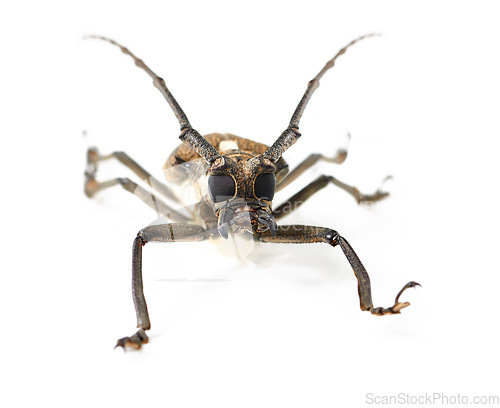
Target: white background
(421, 103)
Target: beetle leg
(153, 233)
(310, 161)
(303, 234)
(92, 186)
(93, 158)
(298, 199)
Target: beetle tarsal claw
(398, 306)
(411, 284)
(135, 341)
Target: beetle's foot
(136, 341)
(92, 159)
(398, 306)
(91, 171)
(341, 154)
(372, 198)
(380, 194)
(339, 158)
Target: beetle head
(241, 188)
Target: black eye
(221, 188)
(264, 186)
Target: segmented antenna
(189, 135)
(291, 134)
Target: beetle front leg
(364, 286)
(153, 233)
(303, 234)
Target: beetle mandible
(238, 178)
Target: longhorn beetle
(238, 178)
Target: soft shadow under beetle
(237, 179)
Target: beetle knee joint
(127, 184)
(324, 180)
(331, 236)
(141, 237)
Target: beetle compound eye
(221, 188)
(264, 186)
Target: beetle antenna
(291, 134)
(189, 136)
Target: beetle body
(234, 181)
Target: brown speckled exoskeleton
(237, 179)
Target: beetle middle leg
(92, 186)
(93, 158)
(175, 232)
(321, 182)
(303, 234)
